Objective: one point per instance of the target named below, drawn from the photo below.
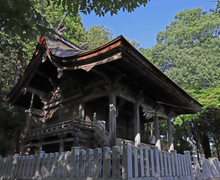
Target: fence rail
(129, 163)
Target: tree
(97, 36)
(187, 51)
(53, 14)
(13, 52)
(30, 22)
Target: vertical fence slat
(9, 166)
(106, 162)
(49, 164)
(161, 164)
(174, 163)
(189, 163)
(140, 162)
(61, 165)
(38, 163)
(197, 168)
(33, 165)
(43, 169)
(165, 163)
(127, 171)
(54, 167)
(185, 166)
(146, 162)
(25, 165)
(17, 166)
(89, 162)
(82, 163)
(97, 162)
(180, 164)
(135, 161)
(152, 165)
(67, 164)
(115, 162)
(156, 160)
(170, 172)
(28, 170)
(74, 161)
(14, 163)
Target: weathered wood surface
(129, 162)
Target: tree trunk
(206, 146)
(18, 135)
(5, 143)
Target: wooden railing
(70, 125)
(102, 133)
(129, 163)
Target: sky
(144, 23)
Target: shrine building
(95, 98)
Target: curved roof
(114, 59)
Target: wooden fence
(129, 163)
(206, 168)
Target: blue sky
(144, 23)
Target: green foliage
(53, 14)
(188, 50)
(22, 18)
(97, 36)
(12, 51)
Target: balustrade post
(82, 163)
(204, 167)
(97, 162)
(197, 169)
(38, 163)
(106, 162)
(67, 164)
(74, 161)
(127, 171)
(115, 162)
(175, 162)
(89, 162)
(156, 160)
(146, 162)
(189, 163)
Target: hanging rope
(148, 113)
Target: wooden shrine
(94, 98)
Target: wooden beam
(40, 93)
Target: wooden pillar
(156, 131)
(44, 118)
(137, 136)
(60, 116)
(40, 145)
(170, 137)
(112, 118)
(61, 149)
(82, 111)
(76, 141)
(29, 117)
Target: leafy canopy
(188, 50)
(21, 18)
